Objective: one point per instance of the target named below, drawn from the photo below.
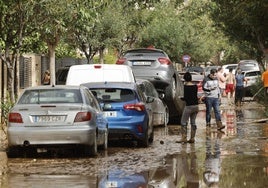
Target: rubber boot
(183, 135)
(191, 140)
(220, 126)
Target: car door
(157, 105)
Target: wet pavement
(236, 157)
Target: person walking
(191, 108)
(212, 96)
(222, 80)
(239, 88)
(264, 78)
(46, 78)
(230, 85)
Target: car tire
(91, 150)
(13, 152)
(145, 141)
(151, 138)
(170, 91)
(104, 146)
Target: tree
(244, 21)
(15, 18)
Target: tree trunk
(51, 48)
(10, 79)
(101, 60)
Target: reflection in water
(230, 118)
(51, 181)
(212, 171)
(119, 178)
(240, 123)
(189, 166)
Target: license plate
(110, 114)
(111, 184)
(49, 118)
(146, 63)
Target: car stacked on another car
(49, 117)
(128, 110)
(155, 65)
(160, 109)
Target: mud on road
(238, 156)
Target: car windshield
(51, 96)
(113, 94)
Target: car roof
(248, 61)
(54, 87)
(123, 85)
(144, 50)
(140, 80)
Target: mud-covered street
(237, 157)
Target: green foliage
(6, 105)
(245, 22)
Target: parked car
(155, 65)
(207, 69)
(198, 80)
(79, 74)
(196, 69)
(252, 78)
(127, 109)
(160, 109)
(246, 65)
(48, 117)
(229, 66)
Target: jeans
(212, 103)
(189, 112)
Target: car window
(150, 90)
(113, 94)
(90, 99)
(61, 76)
(51, 96)
(145, 53)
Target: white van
(79, 74)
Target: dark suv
(155, 66)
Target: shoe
(183, 135)
(220, 126)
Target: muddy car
(156, 66)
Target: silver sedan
(46, 117)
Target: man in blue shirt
(239, 87)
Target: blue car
(119, 178)
(127, 110)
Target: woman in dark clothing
(190, 110)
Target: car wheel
(13, 152)
(151, 138)
(104, 146)
(145, 141)
(170, 91)
(91, 150)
